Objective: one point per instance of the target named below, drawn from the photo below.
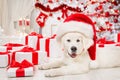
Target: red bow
(23, 64)
(20, 72)
(103, 41)
(35, 34)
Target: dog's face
(74, 44)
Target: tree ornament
(41, 19)
(115, 20)
(107, 14)
(64, 12)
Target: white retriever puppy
(76, 58)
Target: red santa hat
(82, 24)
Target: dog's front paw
(43, 67)
(53, 73)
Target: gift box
(32, 40)
(28, 53)
(16, 69)
(4, 59)
(11, 46)
(50, 46)
(104, 46)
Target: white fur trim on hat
(74, 26)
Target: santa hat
(82, 24)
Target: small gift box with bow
(11, 46)
(28, 53)
(105, 47)
(4, 59)
(32, 40)
(16, 69)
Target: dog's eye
(68, 40)
(78, 40)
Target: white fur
(81, 63)
(74, 26)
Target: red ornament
(58, 18)
(107, 14)
(115, 20)
(50, 1)
(116, 11)
(41, 19)
(107, 22)
(100, 7)
(110, 24)
(110, 7)
(102, 29)
(50, 14)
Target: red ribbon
(118, 37)
(10, 45)
(38, 41)
(64, 12)
(6, 53)
(28, 49)
(103, 41)
(20, 71)
(47, 45)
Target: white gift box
(12, 72)
(108, 48)
(51, 47)
(32, 41)
(4, 60)
(38, 57)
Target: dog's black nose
(73, 48)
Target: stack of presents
(20, 59)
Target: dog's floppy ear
(87, 42)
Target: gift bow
(20, 72)
(27, 49)
(103, 41)
(35, 34)
(23, 64)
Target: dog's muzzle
(73, 52)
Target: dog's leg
(66, 70)
(51, 65)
